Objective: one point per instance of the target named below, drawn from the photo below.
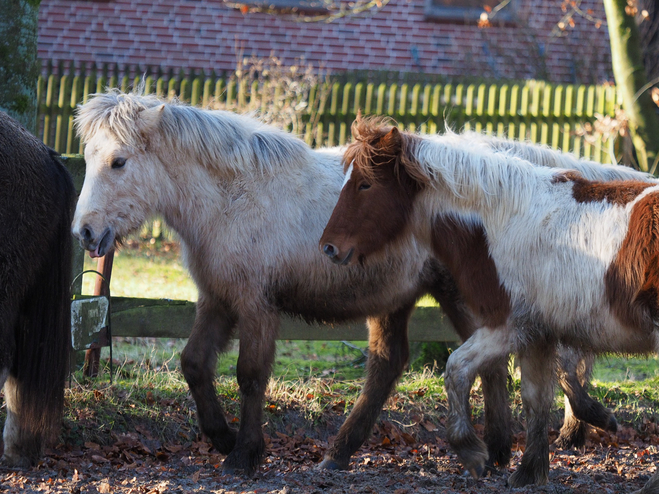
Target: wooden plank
(135, 317)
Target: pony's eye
(364, 186)
(118, 162)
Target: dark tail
(43, 336)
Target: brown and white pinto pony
(545, 257)
(249, 203)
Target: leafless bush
(290, 97)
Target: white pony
(249, 203)
(555, 258)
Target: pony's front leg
(580, 409)
(498, 418)
(387, 357)
(258, 333)
(537, 368)
(210, 335)
(487, 347)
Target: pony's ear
(150, 118)
(391, 143)
(355, 128)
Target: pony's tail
(43, 333)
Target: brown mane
(379, 137)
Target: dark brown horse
(36, 203)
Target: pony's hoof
(612, 424)
(569, 441)
(472, 454)
(224, 443)
(572, 435)
(522, 477)
(331, 464)
(17, 461)
(244, 460)
(499, 454)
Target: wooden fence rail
(159, 318)
(534, 110)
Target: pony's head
(122, 176)
(376, 202)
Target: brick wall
(205, 34)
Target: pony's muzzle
(97, 245)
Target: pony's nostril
(329, 250)
(86, 233)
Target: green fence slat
(208, 93)
(368, 105)
(219, 90)
(402, 103)
(171, 87)
(345, 100)
(391, 99)
(71, 140)
(481, 100)
(60, 133)
(416, 99)
(379, 106)
(196, 95)
(492, 100)
(359, 98)
(514, 101)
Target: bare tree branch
(311, 11)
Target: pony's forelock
(372, 139)
(116, 112)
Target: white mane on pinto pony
(218, 139)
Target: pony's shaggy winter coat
(564, 259)
(36, 205)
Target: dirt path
(133, 465)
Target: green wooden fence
(534, 110)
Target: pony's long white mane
(542, 155)
(466, 165)
(215, 138)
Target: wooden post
(93, 355)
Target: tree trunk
(629, 74)
(19, 66)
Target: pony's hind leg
(537, 368)
(210, 335)
(388, 355)
(258, 334)
(580, 409)
(485, 348)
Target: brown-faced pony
(548, 260)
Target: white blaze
(348, 174)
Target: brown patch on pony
(465, 252)
(618, 192)
(632, 280)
